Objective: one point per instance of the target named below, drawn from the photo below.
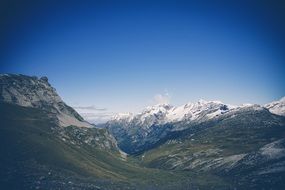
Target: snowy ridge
(277, 107)
(165, 113)
(201, 110)
(194, 111)
(122, 116)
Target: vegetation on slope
(37, 154)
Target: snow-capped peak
(192, 111)
(196, 110)
(122, 116)
(164, 113)
(157, 108)
(277, 107)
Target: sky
(105, 57)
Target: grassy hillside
(37, 154)
(244, 151)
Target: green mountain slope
(38, 154)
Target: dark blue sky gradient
(119, 54)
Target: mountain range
(46, 144)
(155, 122)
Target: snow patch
(277, 107)
(273, 150)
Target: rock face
(34, 92)
(38, 93)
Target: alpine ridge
(145, 129)
(165, 113)
(277, 107)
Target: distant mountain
(165, 113)
(138, 132)
(277, 107)
(243, 144)
(201, 110)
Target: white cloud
(94, 114)
(97, 117)
(89, 108)
(162, 98)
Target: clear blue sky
(119, 55)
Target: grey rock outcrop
(38, 93)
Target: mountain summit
(36, 92)
(277, 107)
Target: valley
(46, 144)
